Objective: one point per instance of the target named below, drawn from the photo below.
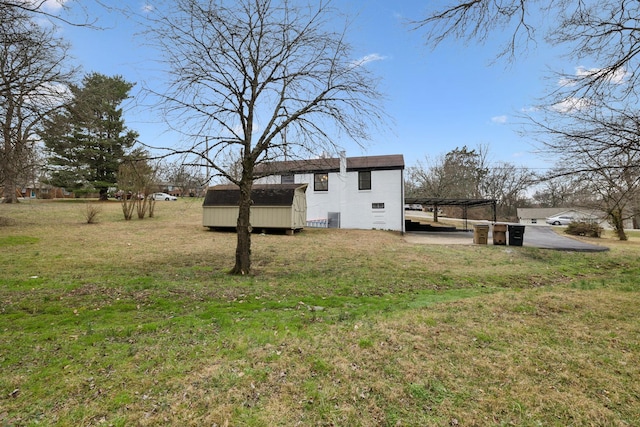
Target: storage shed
(275, 206)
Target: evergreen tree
(88, 140)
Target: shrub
(582, 228)
(91, 213)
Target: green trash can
(480, 234)
(516, 235)
(499, 234)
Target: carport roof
(464, 203)
(438, 201)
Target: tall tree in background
(88, 140)
(457, 174)
(507, 184)
(32, 74)
(254, 81)
(465, 170)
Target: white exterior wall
(355, 206)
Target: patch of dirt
(6, 222)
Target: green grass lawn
(137, 323)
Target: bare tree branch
(604, 32)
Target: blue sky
(437, 100)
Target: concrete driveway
(545, 237)
(536, 236)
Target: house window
(534, 221)
(377, 205)
(321, 182)
(364, 180)
(286, 179)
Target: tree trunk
(618, 223)
(6, 162)
(10, 188)
(243, 229)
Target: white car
(413, 207)
(560, 220)
(164, 196)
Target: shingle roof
(541, 213)
(261, 194)
(392, 161)
(386, 162)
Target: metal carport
(465, 204)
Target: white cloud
(581, 72)
(147, 8)
(499, 119)
(54, 4)
(619, 76)
(368, 58)
(573, 104)
(48, 5)
(570, 105)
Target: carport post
(494, 204)
(465, 217)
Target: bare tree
(427, 179)
(51, 11)
(600, 146)
(260, 80)
(507, 184)
(457, 174)
(557, 189)
(603, 31)
(129, 187)
(186, 174)
(617, 190)
(597, 131)
(589, 123)
(137, 180)
(33, 75)
(466, 174)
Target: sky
(456, 95)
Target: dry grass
(137, 323)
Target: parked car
(560, 220)
(413, 207)
(164, 196)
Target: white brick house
(346, 192)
